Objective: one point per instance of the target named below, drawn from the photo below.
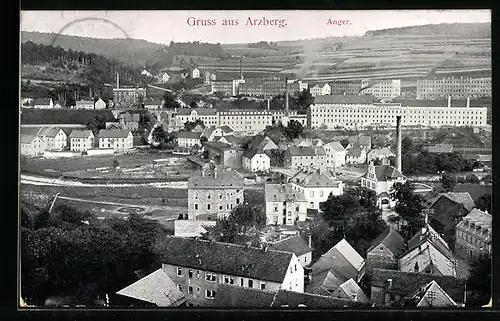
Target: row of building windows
(209, 207)
(212, 277)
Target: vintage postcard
(255, 159)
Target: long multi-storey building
(346, 87)
(227, 87)
(248, 121)
(207, 115)
(263, 87)
(332, 111)
(456, 87)
(382, 88)
(126, 97)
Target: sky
(165, 26)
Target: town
(184, 185)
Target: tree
(408, 206)
(479, 281)
(339, 207)
(484, 202)
(293, 129)
(448, 182)
(277, 157)
(193, 104)
(304, 100)
(203, 139)
(159, 134)
(116, 163)
(170, 101)
(204, 155)
(190, 125)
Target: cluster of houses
(421, 272)
(48, 103)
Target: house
(447, 211)
(391, 286)
(380, 154)
(212, 132)
(162, 77)
(297, 245)
(350, 290)
(100, 104)
(262, 143)
(355, 155)
(320, 90)
(209, 77)
(233, 296)
(195, 73)
(118, 139)
(431, 295)
(81, 140)
(230, 140)
(198, 128)
(256, 161)
(335, 155)
(334, 268)
(224, 154)
(198, 267)
(129, 121)
(43, 103)
(113, 125)
(214, 192)
(31, 145)
(428, 253)
(157, 289)
(153, 103)
(84, 104)
(440, 149)
(57, 105)
(316, 186)
(473, 235)
(380, 179)
(188, 139)
(305, 157)
(191, 228)
(284, 205)
(385, 250)
(308, 142)
(55, 138)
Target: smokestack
(117, 80)
(215, 172)
(268, 104)
(310, 243)
(449, 101)
(286, 96)
(241, 70)
(398, 142)
(468, 102)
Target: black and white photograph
(277, 159)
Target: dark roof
(295, 244)
(474, 190)
(219, 146)
(463, 198)
(226, 129)
(282, 193)
(225, 179)
(354, 152)
(295, 151)
(430, 235)
(343, 99)
(385, 172)
(84, 133)
(391, 239)
(315, 178)
(241, 297)
(189, 135)
(407, 282)
(113, 133)
(42, 101)
(251, 153)
(226, 258)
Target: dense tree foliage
(70, 253)
(353, 215)
(277, 157)
(448, 182)
(170, 100)
(264, 45)
(294, 129)
(409, 207)
(190, 125)
(196, 48)
(479, 282)
(484, 203)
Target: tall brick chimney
(117, 80)
(286, 96)
(398, 142)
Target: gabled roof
(252, 152)
(352, 290)
(336, 146)
(294, 244)
(233, 140)
(27, 139)
(189, 135)
(380, 152)
(316, 178)
(130, 117)
(404, 283)
(220, 146)
(429, 295)
(309, 300)
(49, 131)
(354, 152)
(226, 178)
(341, 261)
(463, 198)
(282, 193)
(343, 99)
(479, 218)
(236, 296)
(427, 233)
(385, 172)
(113, 133)
(226, 129)
(391, 239)
(155, 288)
(225, 258)
(260, 141)
(81, 133)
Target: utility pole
(53, 202)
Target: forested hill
(94, 70)
(473, 30)
(132, 51)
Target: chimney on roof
(398, 142)
(449, 101)
(468, 102)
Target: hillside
(132, 51)
(473, 30)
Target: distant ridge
(131, 51)
(473, 30)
